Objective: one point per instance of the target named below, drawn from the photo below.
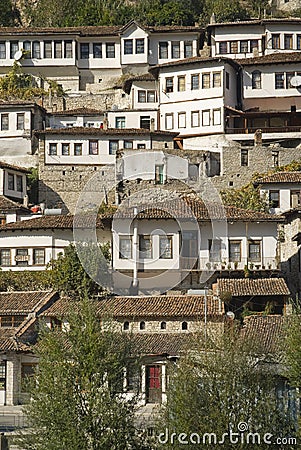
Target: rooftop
(273, 58)
(101, 132)
(52, 222)
(20, 303)
(242, 287)
(78, 112)
(195, 60)
(264, 332)
(280, 177)
(9, 205)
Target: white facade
(282, 196)
(138, 118)
(76, 119)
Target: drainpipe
(135, 243)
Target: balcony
(191, 264)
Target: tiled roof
(140, 77)
(9, 205)
(153, 306)
(20, 303)
(264, 332)
(101, 132)
(23, 103)
(4, 165)
(195, 60)
(246, 286)
(281, 177)
(273, 58)
(193, 207)
(51, 222)
(160, 343)
(78, 111)
(282, 20)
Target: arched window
(126, 326)
(163, 325)
(142, 325)
(184, 326)
(256, 79)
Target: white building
(13, 182)
(81, 117)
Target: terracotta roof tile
(9, 205)
(22, 303)
(282, 20)
(160, 343)
(4, 165)
(241, 287)
(78, 111)
(195, 60)
(273, 58)
(281, 177)
(140, 77)
(101, 132)
(51, 222)
(264, 332)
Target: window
(126, 326)
(227, 80)
(223, 48)
(187, 49)
(36, 50)
(244, 158)
(298, 42)
(145, 122)
(27, 49)
(256, 79)
(184, 326)
(151, 96)
(27, 371)
(5, 257)
(68, 51)
(125, 248)
(4, 122)
(234, 251)
(52, 149)
(214, 246)
(182, 120)
(20, 121)
(279, 80)
(128, 47)
(127, 144)
(276, 41)
(288, 41)
(93, 147)
(19, 183)
(295, 198)
(206, 118)
(254, 44)
(84, 51)
(159, 173)
(274, 199)
(113, 147)
(195, 82)
(141, 146)
(163, 50)
(169, 121)
(217, 79)
(142, 325)
(78, 149)
(14, 47)
(195, 118)
(145, 247)
(141, 96)
(216, 116)
(120, 122)
(244, 46)
(181, 83)
(65, 149)
(275, 158)
(2, 50)
(169, 85)
(289, 76)
(10, 182)
(163, 326)
(234, 47)
(48, 49)
(139, 46)
(206, 81)
(110, 50)
(165, 247)
(39, 256)
(97, 50)
(21, 257)
(175, 50)
(11, 321)
(58, 49)
(255, 251)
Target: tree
(226, 387)
(9, 15)
(224, 11)
(17, 84)
(292, 346)
(246, 197)
(77, 399)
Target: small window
(159, 174)
(145, 247)
(181, 83)
(52, 149)
(195, 82)
(48, 49)
(184, 326)
(93, 147)
(84, 51)
(244, 157)
(126, 326)
(255, 251)
(227, 80)
(235, 251)
(142, 325)
(206, 118)
(275, 158)
(36, 50)
(215, 248)
(244, 46)
(139, 46)
(169, 84)
(223, 48)
(187, 49)
(216, 114)
(27, 49)
(165, 247)
(22, 257)
(10, 182)
(234, 47)
(141, 96)
(39, 256)
(128, 144)
(68, 50)
(113, 147)
(274, 199)
(195, 118)
(256, 79)
(217, 79)
(145, 122)
(279, 80)
(169, 121)
(128, 47)
(254, 45)
(4, 122)
(275, 41)
(125, 248)
(206, 81)
(289, 76)
(58, 49)
(97, 50)
(14, 47)
(20, 121)
(151, 96)
(141, 146)
(5, 258)
(78, 149)
(163, 50)
(2, 50)
(163, 325)
(19, 183)
(295, 198)
(288, 41)
(175, 50)
(110, 50)
(65, 149)
(298, 43)
(182, 120)
(120, 122)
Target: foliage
(33, 185)
(17, 84)
(76, 395)
(25, 281)
(292, 346)
(214, 391)
(246, 197)
(9, 15)
(224, 11)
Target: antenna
(18, 55)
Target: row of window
(254, 250)
(163, 326)
(146, 247)
(244, 46)
(203, 118)
(97, 50)
(22, 257)
(147, 96)
(290, 41)
(8, 321)
(4, 121)
(14, 182)
(274, 198)
(131, 44)
(282, 79)
(144, 122)
(173, 49)
(197, 81)
(76, 149)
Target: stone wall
(290, 255)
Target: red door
(153, 384)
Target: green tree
(224, 11)
(292, 346)
(214, 390)
(77, 399)
(246, 197)
(17, 84)
(9, 15)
